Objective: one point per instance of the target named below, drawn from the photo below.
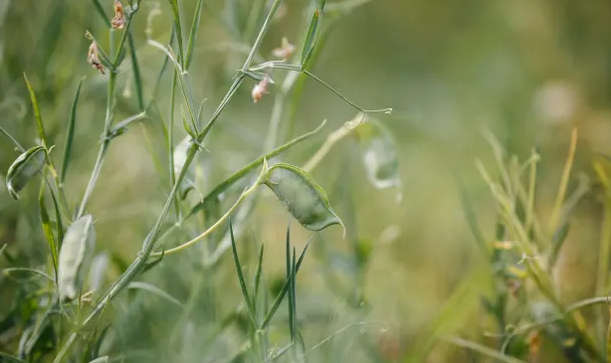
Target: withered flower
(260, 89)
(93, 57)
(285, 51)
(118, 22)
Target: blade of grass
(291, 280)
(39, 126)
(467, 344)
(238, 267)
(609, 337)
(170, 142)
(258, 272)
(12, 139)
(154, 290)
(472, 219)
(58, 218)
(7, 271)
(270, 314)
(46, 225)
(178, 30)
(100, 10)
(605, 234)
(193, 33)
(70, 134)
(564, 181)
(293, 297)
(10, 359)
(311, 37)
(136, 69)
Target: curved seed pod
(26, 166)
(379, 154)
(304, 199)
(75, 257)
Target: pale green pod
(75, 257)
(379, 154)
(24, 168)
(303, 198)
(179, 158)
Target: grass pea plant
(59, 315)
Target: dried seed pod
(75, 257)
(93, 57)
(118, 22)
(304, 199)
(379, 154)
(26, 166)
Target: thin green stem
(322, 151)
(294, 68)
(97, 167)
(261, 34)
(212, 228)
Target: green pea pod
(24, 168)
(75, 257)
(379, 154)
(304, 199)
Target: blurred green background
(527, 70)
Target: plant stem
(205, 234)
(334, 137)
(97, 167)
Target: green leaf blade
(39, 126)
(70, 134)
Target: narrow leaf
(193, 33)
(310, 38)
(258, 272)
(136, 69)
(609, 338)
(10, 359)
(46, 227)
(154, 290)
(100, 10)
(304, 199)
(471, 218)
(70, 136)
(178, 29)
(39, 125)
(12, 139)
(151, 264)
(243, 287)
(272, 311)
(293, 299)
